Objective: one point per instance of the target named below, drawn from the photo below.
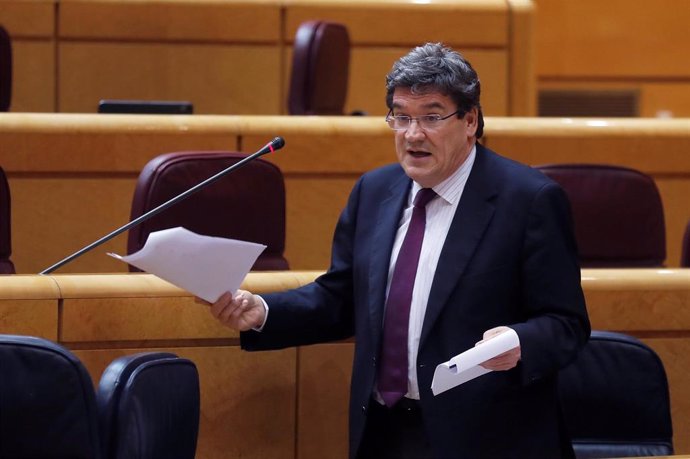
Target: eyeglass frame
(390, 117)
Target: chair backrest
(47, 402)
(617, 212)
(6, 265)
(248, 204)
(5, 70)
(320, 69)
(685, 250)
(149, 406)
(615, 399)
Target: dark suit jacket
(509, 259)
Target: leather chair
(617, 213)
(685, 251)
(5, 70)
(248, 204)
(47, 402)
(149, 406)
(320, 69)
(615, 399)
(6, 265)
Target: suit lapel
(387, 219)
(471, 219)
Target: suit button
(421, 365)
(364, 409)
(373, 361)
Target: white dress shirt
(439, 215)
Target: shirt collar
(451, 188)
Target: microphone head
(278, 143)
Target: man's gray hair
(434, 67)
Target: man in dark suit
(498, 253)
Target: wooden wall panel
(33, 75)
(83, 144)
(32, 317)
(213, 52)
(672, 352)
(327, 198)
(665, 99)
(29, 306)
(410, 24)
(73, 176)
(675, 194)
(616, 38)
(46, 213)
(215, 78)
(248, 400)
(293, 403)
(324, 393)
(521, 58)
(171, 20)
(120, 319)
(31, 26)
(28, 19)
(620, 44)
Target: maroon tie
(392, 380)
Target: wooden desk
(293, 403)
(72, 176)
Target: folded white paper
(465, 367)
(203, 265)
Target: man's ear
(472, 120)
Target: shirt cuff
(261, 327)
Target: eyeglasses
(403, 122)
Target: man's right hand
(241, 312)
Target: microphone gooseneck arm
(274, 145)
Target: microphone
(274, 145)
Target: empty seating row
(615, 402)
(618, 214)
(146, 405)
(318, 82)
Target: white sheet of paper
(203, 265)
(465, 366)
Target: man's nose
(414, 130)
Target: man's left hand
(504, 361)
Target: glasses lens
(398, 123)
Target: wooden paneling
(72, 176)
(54, 207)
(621, 44)
(410, 23)
(521, 57)
(215, 78)
(232, 56)
(31, 26)
(662, 99)
(612, 39)
(33, 76)
(323, 400)
(293, 403)
(247, 400)
(171, 20)
(28, 19)
(29, 306)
